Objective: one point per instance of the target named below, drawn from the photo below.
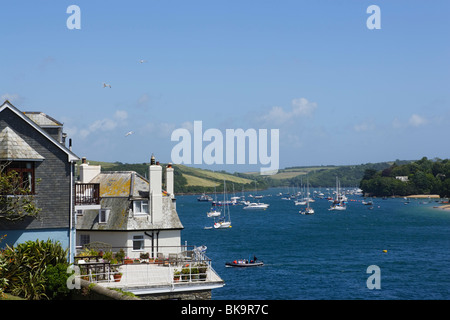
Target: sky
(337, 91)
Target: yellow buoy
(385, 251)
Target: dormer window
(140, 207)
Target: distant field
(294, 172)
(205, 174)
(196, 181)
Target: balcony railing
(189, 267)
(87, 193)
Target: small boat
(204, 197)
(338, 207)
(222, 225)
(213, 213)
(256, 206)
(244, 263)
(307, 211)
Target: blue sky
(338, 92)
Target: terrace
(188, 270)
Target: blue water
(326, 255)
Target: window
(25, 174)
(138, 243)
(79, 212)
(103, 215)
(84, 239)
(140, 207)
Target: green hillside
(195, 180)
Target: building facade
(33, 144)
(131, 212)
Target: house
(33, 145)
(125, 210)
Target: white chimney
(169, 180)
(155, 201)
(88, 172)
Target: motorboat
(256, 206)
(204, 197)
(244, 263)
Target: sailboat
(308, 209)
(225, 219)
(213, 212)
(339, 202)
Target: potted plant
(120, 255)
(176, 276)
(127, 260)
(117, 276)
(202, 272)
(144, 255)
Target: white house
(127, 211)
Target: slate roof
(117, 190)
(121, 184)
(42, 120)
(70, 155)
(13, 147)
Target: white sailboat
(308, 209)
(339, 202)
(225, 219)
(213, 212)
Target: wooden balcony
(87, 194)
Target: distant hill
(195, 180)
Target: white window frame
(139, 239)
(103, 215)
(140, 206)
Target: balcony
(185, 270)
(87, 194)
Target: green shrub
(27, 263)
(56, 282)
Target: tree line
(419, 177)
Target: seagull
(142, 61)
(129, 133)
(106, 85)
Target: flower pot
(117, 277)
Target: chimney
(169, 180)
(87, 172)
(155, 192)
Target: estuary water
(326, 255)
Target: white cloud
(106, 124)
(415, 120)
(365, 126)
(300, 107)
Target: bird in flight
(106, 85)
(142, 61)
(129, 133)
